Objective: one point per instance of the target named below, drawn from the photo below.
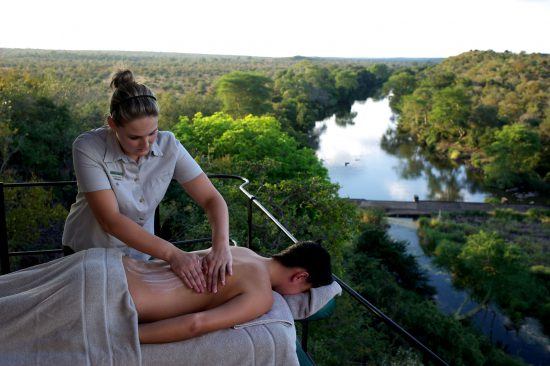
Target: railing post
(157, 221)
(4, 256)
(305, 332)
(249, 241)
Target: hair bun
(122, 77)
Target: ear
(111, 122)
(300, 276)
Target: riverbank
(415, 208)
(526, 341)
(501, 256)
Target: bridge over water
(426, 208)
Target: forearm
(135, 236)
(169, 330)
(218, 217)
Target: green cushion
(303, 357)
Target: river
(353, 154)
(367, 166)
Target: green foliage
(392, 255)
(355, 335)
(244, 93)
(255, 147)
(496, 257)
(36, 134)
(487, 109)
(34, 221)
(400, 84)
(173, 106)
(513, 156)
(449, 114)
(374, 216)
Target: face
(295, 284)
(136, 137)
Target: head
(134, 120)
(307, 265)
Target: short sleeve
(186, 167)
(88, 169)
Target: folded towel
(279, 312)
(306, 304)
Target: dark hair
(124, 110)
(312, 257)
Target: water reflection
(446, 180)
(367, 159)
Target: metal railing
(5, 255)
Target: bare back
(159, 294)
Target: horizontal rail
(40, 184)
(35, 252)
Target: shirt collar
(155, 148)
(113, 151)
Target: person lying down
(169, 311)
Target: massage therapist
(123, 171)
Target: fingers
(193, 277)
(229, 268)
(205, 274)
(199, 273)
(216, 277)
(195, 281)
(221, 271)
(190, 281)
(213, 274)
(183, 276)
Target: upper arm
(201, 189)
(103, 205)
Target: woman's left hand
(215, 266)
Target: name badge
(116, 175)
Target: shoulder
(166, 139)
(254, 276)
(92, 142)
(167, 142)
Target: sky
(282, 28)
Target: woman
(123, 171)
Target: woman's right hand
(188, 267)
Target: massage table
(77, 310)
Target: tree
(513, 156)
(449, 113)
(245, 93)
(346, 84)
(493, 269)
(257, 146)
(400, 84)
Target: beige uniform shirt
(100, 163)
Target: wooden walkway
(427, 208)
